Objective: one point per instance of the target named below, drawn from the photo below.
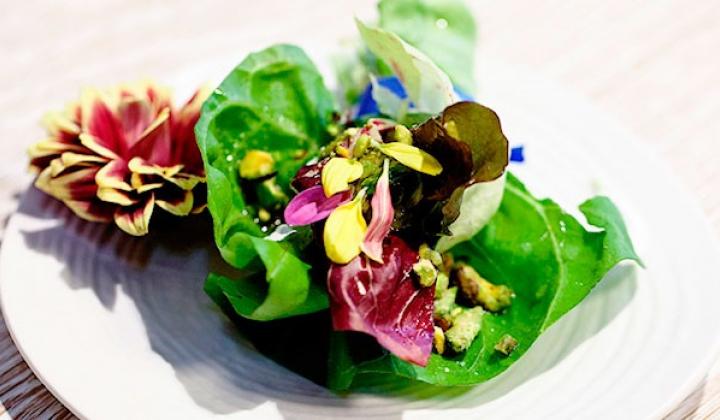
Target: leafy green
(546, 256)
(275, 101)
(478, 205)
(442, 29)
(287, 293)
(426, 85)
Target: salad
(388, 237)
(376, 235)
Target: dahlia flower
(115, 155)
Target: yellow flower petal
(412, 157)
(337, 173)
(345, 231)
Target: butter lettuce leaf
(544, 254)
(429, 89)
(274, 100)
(442, 29)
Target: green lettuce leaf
(426, 85)
(545, 255)
(478, 205)
(274, 100)
(442, 29)
(284, 292)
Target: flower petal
(345, 230)
(114, 175)
(382, 217)
(135, 116)
(171, 173)
(144, 183)
(95, 144)
(76, 185)
(61, 126)
(155, 143)
(135, 220)
(311, 206)
(337, 173)
(92, 210)
(412, 157)
(70, 160)
(111, 195)
(175, 201)
(102, 131)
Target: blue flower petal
(517, 154)
(367, 107)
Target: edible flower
(412, 157)
(115, 155)
(338, 173)
(311, 205)
(382, 217)
(345, 231)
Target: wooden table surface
(655, 66)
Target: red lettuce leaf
(384, 301)
(309, 175)
(468, 141)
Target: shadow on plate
(222, 366)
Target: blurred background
(652, 65)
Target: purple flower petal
(382, 217)
(311, 206)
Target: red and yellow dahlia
(115, 155)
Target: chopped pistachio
(448, 262)
(465, 328)
(441, 283)
(270, 195)
(400, 134)
(426, 272)
(256, 164)
(432, 255)
(264, 215)
(456, 311)
(444, 307)
(439, 340)
(333, 129)
(506, 345)
(361, 145)
(479, 291)
(349, 132)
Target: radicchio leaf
(384, 301)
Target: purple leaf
(384, 301)
(311, 206)
(308, 175)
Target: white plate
(120, 328)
